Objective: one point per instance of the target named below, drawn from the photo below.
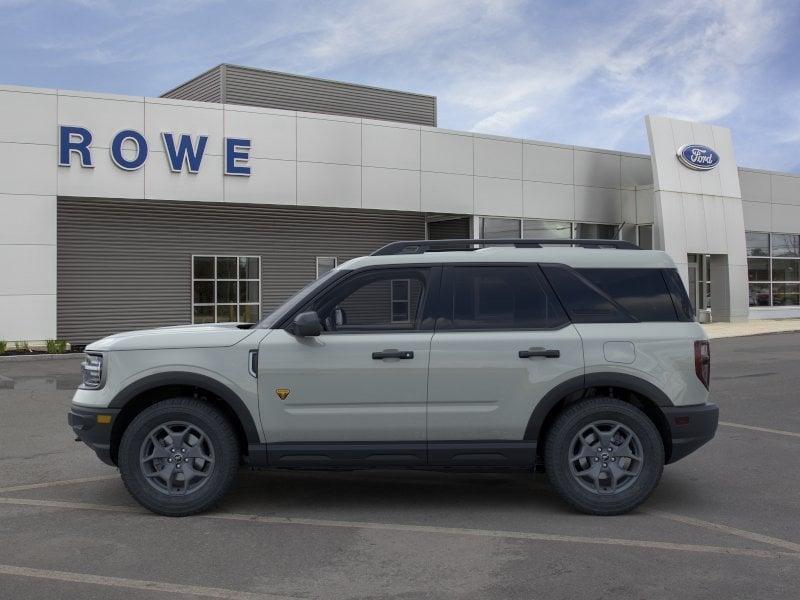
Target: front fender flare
(186, 378)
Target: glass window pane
(759, 294)
(248, 267)
(502, 298)
(365, 302)
(532, 229)
(757, 243)
(784, 269)
(643, 292)
(204, 267)
(325, 264)
(203, 292)
(785, 244)
(400, 289)
(226, 313)
(494, 229)
(594, 231)
(248, 313)
(646, 237)
(203, 314)
(248, 291)
(583, 303)
(785, 294)
(226, 291)
(758, 269)
(226, 267)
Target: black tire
(221, 471)
(561, 442)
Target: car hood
(184, 336)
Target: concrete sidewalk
(725, 330)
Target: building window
(645, 235)
(499, 229)
(536, 229)
(596, 231)
(226, 289)
(325, 264)
(401, 300)
(773, 268)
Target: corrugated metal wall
(269, 89)
(450, 229)
(126, 264)
(206, 87)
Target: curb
(35, 357)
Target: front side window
(226, 289)
(500, 297)
(375, 301)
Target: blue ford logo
(698, 157)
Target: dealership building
(217, 200)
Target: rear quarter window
(644, 293)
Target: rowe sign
(181, 150)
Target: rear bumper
(690, 427)
(97, 436)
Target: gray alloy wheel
(179, 456)
(603, 456)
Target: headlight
(92, 372)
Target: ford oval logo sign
(698, 157)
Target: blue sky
(581, 73)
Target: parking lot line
(137, 584)
(47, 484)
(429, 529)
(761, 429)
(742, 533)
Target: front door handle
(532, 352)
(401, 354)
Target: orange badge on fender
(283, 393)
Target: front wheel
(178, 457)
(604, 456)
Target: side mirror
(306, 325)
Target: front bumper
(690, 427)
(97, 436)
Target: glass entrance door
(700, 285)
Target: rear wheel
(604, 456)
(178, 457)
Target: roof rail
(421, 246)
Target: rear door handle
(401, 354)
(532, 352)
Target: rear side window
(679, 296)
(500, 297)
(642, 292)
(585, 302)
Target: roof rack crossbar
(422, 246)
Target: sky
(582, 73)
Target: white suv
(579, 357)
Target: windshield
(279, 313)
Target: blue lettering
(141, 150)
(74, 139)
(237, 151)
(185, 152)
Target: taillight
(702, 361)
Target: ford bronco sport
(579, 357)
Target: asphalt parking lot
(724, 522)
